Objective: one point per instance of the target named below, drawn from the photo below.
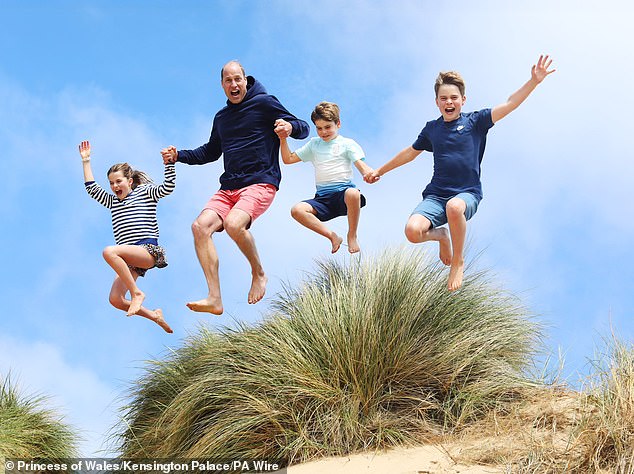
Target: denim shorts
(434, 208)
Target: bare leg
(119, 301)
(203, 228)
(305, 214)
(352, 198)
(419, 229)
(456, 208)
(119, 257)
(236, 226)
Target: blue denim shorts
(434, 208)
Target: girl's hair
(138, 177)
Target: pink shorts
(253, 200)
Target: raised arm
(288, 157)
(539, 72)
(404, 156)
(84, 151)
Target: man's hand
(169, 154)
(283, 129)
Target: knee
(234, 227)
(297, 210)
(200, 230)
(412, 232)
(109, 253)
(455, 208)
(352, 196)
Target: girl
(133, 208)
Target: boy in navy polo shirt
(457, 140)
(336, 195)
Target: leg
(352, 198)
(304, 213)
(118, 300)
(236, 225)
(203, 228)
(419, 229)
(457, 220)
(119, 257)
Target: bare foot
(446, 254)
(208, 305)
(258, 288)
(336, 242)
(353, 244)
(455, 275)
(135, 304)
(158, 319)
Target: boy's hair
(138, 177)
(452, 78)
(222, 70)
(328, 111)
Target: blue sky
(135, 76)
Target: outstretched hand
(540, 70)
(84, 150)
(371, 177)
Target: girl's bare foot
(336, 242)
(455, 275)
(353, 244)
(136, 302)
(258, 288)
(158, 319)
(207, 305)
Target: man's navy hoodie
(243, 134)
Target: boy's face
(327, 130)
(450, 102)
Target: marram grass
(367, 354)
(28, 429)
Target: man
(245, 132)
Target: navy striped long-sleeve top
(134, 217)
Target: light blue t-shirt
(332, 161)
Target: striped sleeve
(99, 194)
(168, 185)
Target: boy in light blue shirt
(332, 156)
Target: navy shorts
(329, 206)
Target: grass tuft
(361, 355)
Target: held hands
(283, 129)
(84, 151)
(371, 177)
(540, 70)
(169, 154)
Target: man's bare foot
(455, 275)
(135, 304)
(336, 242)
(158, 319)
(353, 244)
(446, 254)
(207, 305)
(258, 288)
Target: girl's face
(120, 185)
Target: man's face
(234, 83)
(450, 101)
